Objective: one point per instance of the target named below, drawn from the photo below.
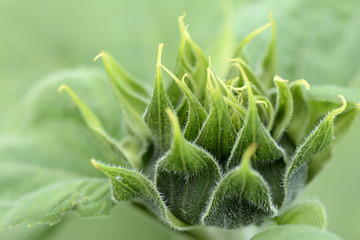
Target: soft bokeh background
(317, 40)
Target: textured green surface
(295, 232)
(38, 39)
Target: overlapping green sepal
(96, 126)
(130, 185)
(254, 131)
(217, 135)
(270, 158)
(241, 198)
(310, 213)
(196, 114)
(131, 96)
(192, 61)
(284, 107)
(155, 116)
(186, 176)
(318, 141)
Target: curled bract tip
(184, 76)
(301, 82)
(342, 99)
(94, 163)
(237, 60)
(305, 83)
(232, 59)
(262, 102)
(279, 79)
(98, 56)
(182, 16)
(62, 87)
(340, 109)
(235, 64)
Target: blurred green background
(317, 40)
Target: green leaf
(155, 116)
(192, 61)
(88, 197)
(318, 163)
(284, 107)
(319, 140)
(42, 104)
(134, 150)
(196, 113)
(130, 95)
(301, 114)
(324, 98)
(96, 126)
(329, 93)
(130, 185)
(310, 213)
(341, 127)
(269, 64)
(122, 78)
(44, 160)
(241, 198)
(217, 134)
(295, 232)
(186, 176)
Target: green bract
(201, 150)
(220, 152)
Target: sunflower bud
(211, 151)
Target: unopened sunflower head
(221, 151)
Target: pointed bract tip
(159, 54)
(94, 163)
(271, 15)
(61, 88)
(246, 157)
(272, 22)
(174, 122)
(101, 54)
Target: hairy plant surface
(201, 150)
